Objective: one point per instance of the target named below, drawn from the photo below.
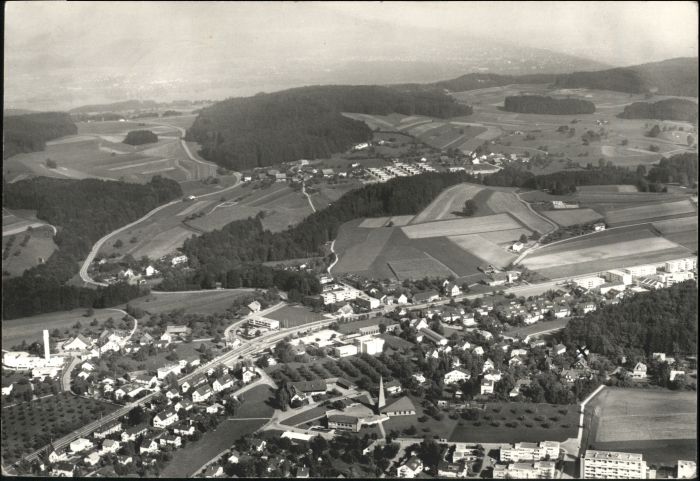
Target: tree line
(538, 104)
(30, 132)
(681, 168)
(268, 129)
(83, 211)
(668, 109)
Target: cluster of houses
(137, 276)
(399, 169)
(176, 411)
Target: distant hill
(668, 109)
(30, 132)
(268, 129)
(475, 81)
(6, 112)
(678, 76)
(538, 104)
(116, 106)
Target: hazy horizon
(61, 55)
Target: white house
(452, 289)
(110, 446)
(202, 394)
(456, 375)
(487, 386)
(178, 260)
(254, 306)
(151, 271)
(517, 246)
(92, 459)
(640, 371)
(248, 374)
(488, 366)
(165, 418)
(80, 444)
(411, 468)
(224, 382)
(79, 343)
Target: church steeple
(381, 401)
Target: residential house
(452, 289)
(478, 350)
(456, 375)
(172, 394)
(80, 444)
(247, 375)
(425, 297)
(165, 418)
(486, 386)
(165, 371)
(78, 343)
(224, 382)
(63, 469)
(640, 371)
(452, 470)
(134, 432)
(411, 468)
(214, 408)
(202, 393)
(538, 469)
(110, 446)
(258, 445)
(149, 445)
(393, 387)
(420, 378)
(213, 471)
(170, 440)
(254, 306)
(183, 429)
(488, 366)
(109, 428)
(92, 459)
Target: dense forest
(226, 249)
(669, 109)
(538, 104)
(140, 137)
(677, 76)
(665, 320)
(83, 211)
(268, 129)
(681, 168)
(30, 132)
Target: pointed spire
(381, 401)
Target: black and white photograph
(353, 239)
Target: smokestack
(47, 349)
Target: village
(381, 354)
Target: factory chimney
(47, 348)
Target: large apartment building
(530, 451)
(530, 470)
(613, 465)
(676, 265)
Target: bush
(545, 425)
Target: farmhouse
(452, 289)
(306, 389)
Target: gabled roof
(402, 404)
(310, 386)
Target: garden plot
(477, 225)
(571, 217)
(483, 249)
(651, 211)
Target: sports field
(450, 200)
(570, 217)
(660, 424)
(475, 225)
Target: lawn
(450, 200)
(431, 426)
(528, 420)
(191, 458)
(29, 426)
(461, 226)
(660, 424)
(202, 302)
(294, 315)
(650, 211)
(256, 403)
(570, 217)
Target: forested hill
(677, 76)
(475, 81)
(538, 104)
(668, 109)
(30, 132)
(665, 320)
(223, 250)
(268, 129)
(83, 211)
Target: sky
(83, 45)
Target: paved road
(65, 377)
(303, 190)
(335, 261)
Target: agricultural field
(397, 220)
(484, 249)
(30, 426)
(449, 201)
(651, 211)
(360, 257)
(416, 268)
(29, 329)
(660, 424)
(519, 422)
(683, 231)
(571, 217)
(17, 221)
(537, 133)
(26, 249)
(508, 202)
(191, 458)
(294, 315)
(607, 188)
(606, 250)
(202, 302)
(462, 226)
